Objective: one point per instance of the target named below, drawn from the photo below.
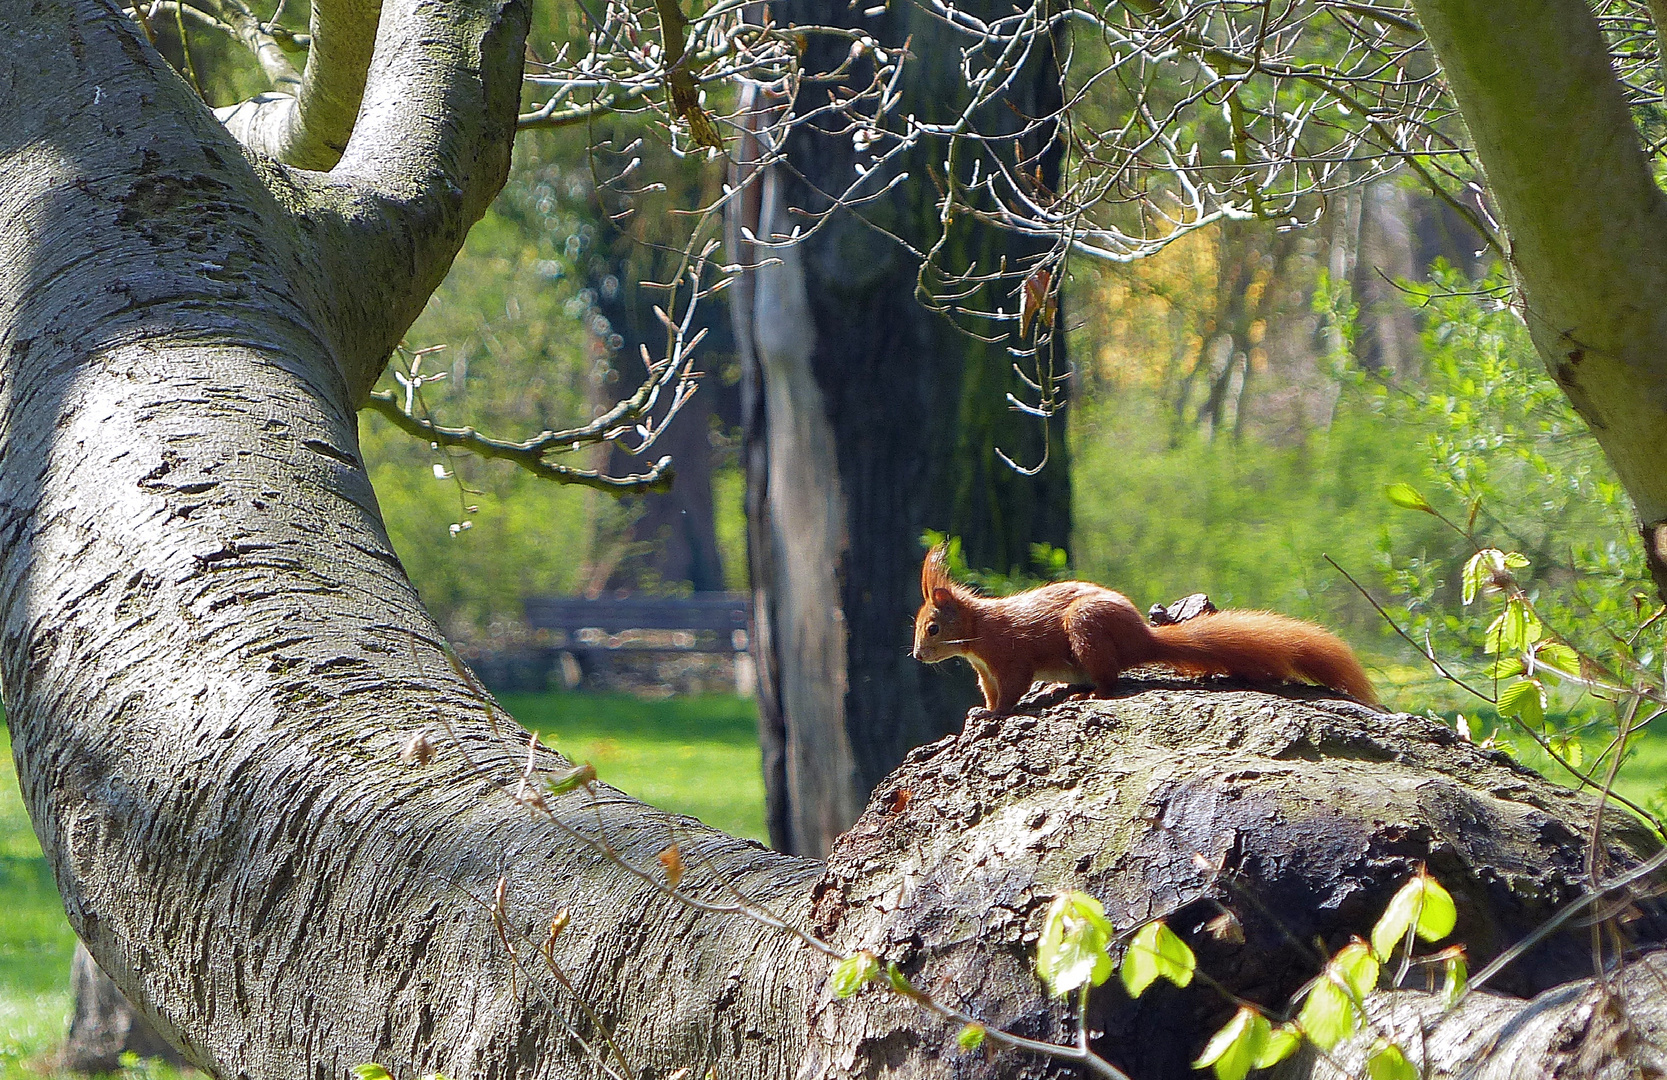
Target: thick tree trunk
(1300, 820)
(873, 420)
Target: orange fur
(1075, 631)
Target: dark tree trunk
(677, 528)
(870, 420)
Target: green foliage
(1407, 497)
(1421, 906)
(1455, 975)
(1506, 457)
(1386, 1062)
(1072, 950)
(1155, 952)
(1332, 1010)
(853, 973)
(970, 1037)
(1238, 1047)
(1161, 515)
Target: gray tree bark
(210, 655)
(211, 661)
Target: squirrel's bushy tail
(1264, 647)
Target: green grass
(689, 755)
(696, 755)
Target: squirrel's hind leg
(1092, 648)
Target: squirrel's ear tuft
(934, 572)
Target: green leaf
(1524, 700)
(1505, 667)
(1156, 953)
(1421, 906)
(1386, 1062)
(370, 1071)
(1357, 967)
(1331, 1011)
(1457, 974)
(1282, 1043)
(1407, 498)
(853, 973)
(1570, 749)
(1514, 629)
(1072, 950)
(1515, 560)
(971, 1037)
(1558, 657)
(1327, 1016)
(1478, 571)
(899, 981)
(1233, 1051)
(1438, 915)
(578, 776)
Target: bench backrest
(720, 611)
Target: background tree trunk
(105, 1025)
(871, 419)
(677, 527)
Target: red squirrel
(1077, 632)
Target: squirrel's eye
(932, 629)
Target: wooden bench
(713, 622)
(580, 633)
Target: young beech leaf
(1457, 973)
(1331, 1012)
(1156, 953)
(1557, 657)
(1570, 749)
(899, 981)
(853, 972)
(1282, 1043)
(578, 776)
(1421, 905)
(1072, 950)
(1234, 1050)
(370, 1071)
(1477, 573)
(1407, 498)
(971, 1037)
(1525, 700)
(1386, 1062)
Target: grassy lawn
(691, 755)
